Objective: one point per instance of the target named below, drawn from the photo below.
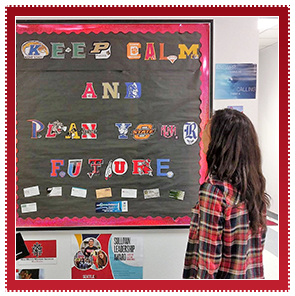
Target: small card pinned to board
(104, 192)
(111, 207)
(151, 193)
(79, 192)
(128, 193)
(54, 191)
(28, 207)
(177, 194)
(31, 191)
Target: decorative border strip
(148, 6)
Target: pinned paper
(111, 207)
(177, 194)
(31, 191)
(151, 193)
(54, 191)
(29, 207)
(105, 192)
(79, 192)
(129, 193)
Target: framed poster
(109, 122)
(235, 81)
(107, 256)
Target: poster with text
(235, 81)
(107, 256)
(41, 252)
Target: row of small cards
(100, 207)
(105, 192)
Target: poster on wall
(107, 256)
(235, 81)
(41, 252)
(109, 123)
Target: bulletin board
(109, 120)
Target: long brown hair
(234, 156)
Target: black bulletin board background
(51, 89)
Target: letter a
(89, 92)
(150, 53)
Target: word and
(111, 89)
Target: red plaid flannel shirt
(221, 244)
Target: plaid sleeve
(191, 256)
(210, 232)
(204, 250)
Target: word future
(119, 167)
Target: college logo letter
(120, 166)
(112, 90)
(142, 167)
(150, 53)
(95, 164)
(89, 131)
(73, 132)
(54, 129)
(184, 51)
(74, 167)
(37, 126)
(101, 50)
(55, 167)
(89, 92)
(133, 50)
(161, 167)
(34, 50)
(123, 130)
(133, 90)
(190, 133)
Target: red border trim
(109, 28)
(204, 30)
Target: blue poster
(235, 81)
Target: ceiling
(268, 32)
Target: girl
(228, 225)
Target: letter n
(112, 90)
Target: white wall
(235, 41)
(269, 121)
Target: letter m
(192, 51)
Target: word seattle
(118, 167)
(101, 50)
